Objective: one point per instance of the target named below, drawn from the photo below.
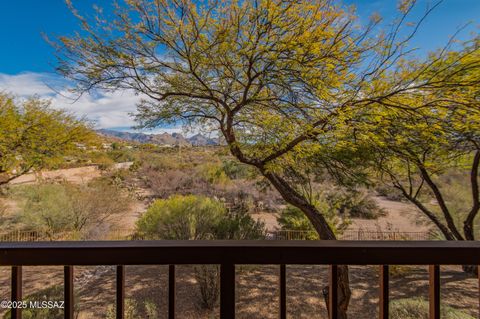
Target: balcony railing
(227, 254)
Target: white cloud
(106, 110)
(25, 84)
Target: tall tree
(32, 136)
(275, 77)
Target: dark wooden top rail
(240, 252)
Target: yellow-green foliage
(214, 173)
(33, 135)
(197, 217)
(102, 160)
(292, 218)
(181, 217)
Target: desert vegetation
(318, 114)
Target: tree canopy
(440, 133)
(33, 135)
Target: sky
(27, 63)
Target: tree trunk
(324, 231)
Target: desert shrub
(389, 192)
(353, 203)
(292, 218)
(213, 173)
(208, 279)
(53, 293)
(102, 160)
(417, 308)
(68, 209)
(235, 170)
(181, 217)
(47, 209)
(175, 181)
(135, 309)
(199, 217)
(238, 225)
(120, 155)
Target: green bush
(235, 170)
(120, 155)
(198, 217)
(101, 159)
(292, 218)
(353, 203)
(417, 308)
(213, 174)
(238, 225)
(182, 218)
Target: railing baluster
(227, 291)
(333, 292)
(171, 291)
(283, 291)
(434, 276)
(384, 292)
(120, 293)
(16, 292)
(68, 292)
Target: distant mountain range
(161, 139)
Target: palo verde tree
(274, 77)
(440, 135)
(33, 136)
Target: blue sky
(27, 63)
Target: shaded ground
(400, 216)
(257, 289)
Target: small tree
(33, 136)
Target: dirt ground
(257, 289)
(74, 175)
(399, 217)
